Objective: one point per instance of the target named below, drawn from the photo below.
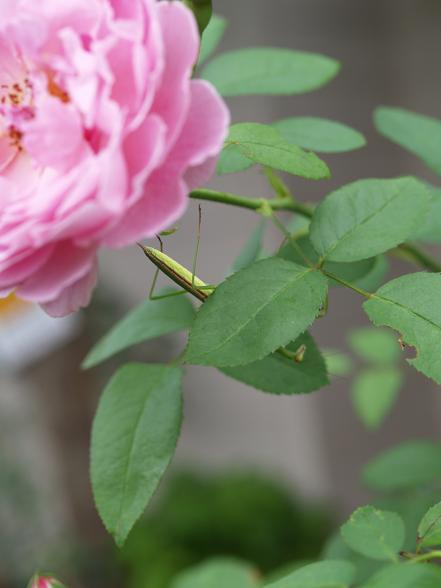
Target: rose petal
(45, 136)
(74, 297)
(102, 134)
(181, 47)
(164, 202)
(66, 266)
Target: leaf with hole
(411, 305)
(368, 217)
(134, 437)
(255, 311)
(269, 71)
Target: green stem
(426, 557)
(347, 284)
(420, 257)
(252, 203)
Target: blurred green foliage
(243, 515)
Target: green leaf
(252, 249)
(218, 573)
(302, 249)
(429, 529)
(411, 305)
(374, 533)
(151, 319)
(134, 436)
(409, 465)
(368, 217)
(212, 37)
(298, 224)
(406, 576)
(351, 272)
(264, 145)
(320, 134)
(336, 548)
(411, 506)
(374, 393)
(375, 345)
(286, 569)
(323, 574)
(269, 71)
(337, 362)
(276, 183)
(419, 134)
(430, 230)
(203, 10)
(232, 161)
(375, 277)
(279, 375)
(255, 311)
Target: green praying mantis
(193, 285)
(179, 274)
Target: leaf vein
(130, 459)
(255, 314)
(363, 222)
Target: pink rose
(102, 135)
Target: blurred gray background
(389, 51)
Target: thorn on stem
(300, 354)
